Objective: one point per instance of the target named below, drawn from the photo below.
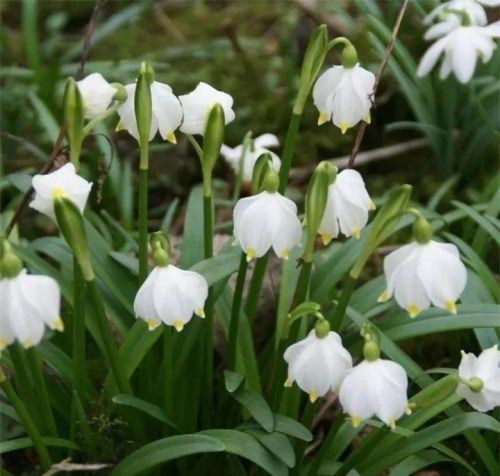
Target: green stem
(78, 329)
(22, 378)
(325, 446)
(143, 218)
(168, 371)
(236, 312)
(108, 339)
(259, 272)
(91, 124)
(289, 149)
(43, 396)
(338, 316)
(28, 423)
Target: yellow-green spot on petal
(326, 238)
(170, 136)
(413, 310)
(284, 254)
(152, 324)
(322, 118)
(120, 126)
(289, 382)
(343, 127)
(58, 324)
(392, 423)
(178, 324)
(408, 410)
(367, 118)
(356, 232)
(372, 206)
(384, 296)
(251, 254)
(27, 343)
(313, 396)
(58, 192)
(355, 421)
(200, 312)
(451, 306)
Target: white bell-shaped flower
(197, 104)
(375, 388)
(344, 96)
(317, 364)
(266, 220)
(449, 18)
(96, 94)
(461, 49)
(171, 295)
(166, 112)
(29, 303)
(420, 274)
(347, 207)
(260, 145)
(64, 182)
(481, 376)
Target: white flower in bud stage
(260, 145)
(347, 207)
(96, 94)
(171, 295)
(421, 274)
(344, 96)
(377, 387)
(197, 104)
(166, 112)
(483, 377)
(29, 302)
(266, 220)
(64, 182)
(317, 364)
(461, 48)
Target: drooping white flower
(343, 95)
(260, 145)
(266, 220)
(166, 112)
(461, 49)
(197, 104)
(377, 387)
(96, 94)
(447, 12)
(421, 274)
(317, 364)
(64, 182)
(483, 375)
(347, 207)
(29, 302)
(171, 295)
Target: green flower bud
(73, 120)
(475, 384)
(271, 181)
(161, 248)
(316, 198)
(212, 142)
(321, 328)
(349, 56)
(10, 264)
(143, 106)
(383, 225)
(435, 393)
(261, 168)
(422, 231)
(371, 347)
(147, 70)
(71, 224)
(311, 66)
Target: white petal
(6, 332)
(463, 58)
(143, 303)
(488, 364)
(329, 227)
(393, 260)
(446, 66)
(443, 28)
(354, 392)
(42, 292)
(431, 56)
(265, 141)
(480, 401)
(96, 94)
(468, 367)
(323, 89)
(166, 108)
(489, 3)
(349, 107)
(288, 230)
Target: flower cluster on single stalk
(462, 38)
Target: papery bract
(171, 295)
(63, 182)
(266, 220)
(28, 304)
(317, 364)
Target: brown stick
(378, 77)
(57, 144)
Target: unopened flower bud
(143, 104)
(73, 119)
(212, 141)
